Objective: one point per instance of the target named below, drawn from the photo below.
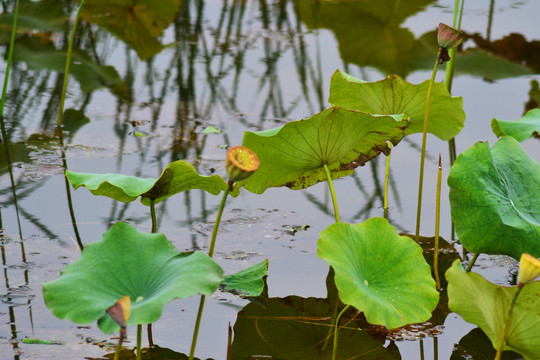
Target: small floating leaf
(211, 130)
(379, 272)
(294, 155)
(394, 95)
(178, 176)
(521, 129)
(495, 199)
(487, 305)
(128, 262)
(35, 341)
(247, 282)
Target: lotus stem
(332, 191)
(506, 325)
(68, 63)
(386, 177)
(336, 332)
(139, 336)
(210, 253)
(153, 214)
(424, 138)
(471, 263)
(437, 223)
(120, 341)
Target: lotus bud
(529, 269)
(241, 163)
(448, 37)
(121, 311)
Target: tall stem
(471, 263)
(336, 332)
(139, 336)
(68, 64)
(424, 138)
(437, 223)
(153, 214)
(386, 178)
(210, 253)
(332, 192)
(506, 325)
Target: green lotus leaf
(379, 272)
(294, 155)
(296, 328)
(178, 176)
(394, 95)
(146, 267)
(138, 23)
(521, 129)
(487, 305)
(247, 282)
(495, 199)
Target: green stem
(336, 332)
(386, 177)
(332, 192)
(424, 138)
(120, 341)
(471, 263)
(506, 325)
(210, 253)
(196, 330)
(68, 64)
(139, 336)
(153, 214)
(437, 223)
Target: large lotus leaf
(178, 176)
(521, 129)
(294, 155)
(487, 305)
(495, 199)
(247, 282)
(147, 267)
(296, 328)
(394, 95)
(138, 23)
(379, 272)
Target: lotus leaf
(247, 282)
(521, 129)
(178, 176)
(294, 155)
(146, 267)
(138, 23)
(394, 95)
(379, 272)
(495, 199)
(487, 305)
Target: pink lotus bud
(448, 37)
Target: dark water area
(139, 98)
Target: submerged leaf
(379, 272)
(294, 155)
(178, 176)
(521, 129)
(126, 262)
(495, 199)
(394, 95)
(487, 305)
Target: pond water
(237, 66)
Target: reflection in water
(237, 65)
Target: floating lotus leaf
(294, 155)
(145, 267)
(495, 199)
(379, 272)
(247, 282)
(487, 305)
(138, 23)
(394, 95)
(521, 129)
(296, 328)
(178, 176)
